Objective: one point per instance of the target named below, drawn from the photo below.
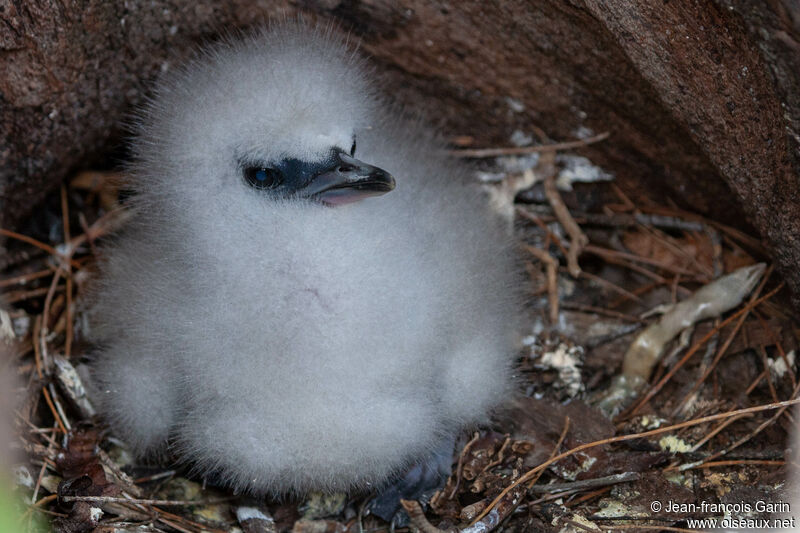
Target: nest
(707, 425)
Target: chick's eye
(353, 148)
(263, 177)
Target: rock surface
(702, 99)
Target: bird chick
(309, 297)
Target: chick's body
(279, 342)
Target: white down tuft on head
(282, 344)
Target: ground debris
(709, 425)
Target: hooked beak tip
(349, 180)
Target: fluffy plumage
(280, 343)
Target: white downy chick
(264, 320)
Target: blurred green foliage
(11, 509)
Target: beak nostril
(345, 168)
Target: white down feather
(281, 344)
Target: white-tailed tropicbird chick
(266, 321)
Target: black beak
(347, 180)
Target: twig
(121, 477)
(606, 252)
(49, 451)
(59, 408)
(551, 269)
(577, 239)
(630, 265)
(551, 497)
(500, 455)
(602, 311)
(735, 462)
(579, 500)
(24, 278)
(154, 477)
(65, 212)
(554, 451)
(539, 222)
(638, 291)
(751, 242)
(604, 481)
(755, 383)
(38, 244)
(56, 414)
(37, 354)
(47, 499)
(611, 286)
(480, 153)
(21, 296)
(616, 220)
(714, 431)
(36, 506)
(48, 301)
(750, 435)
(102, 226)
(135, 501)
(622, 438)
(583, 527)
(678, 250)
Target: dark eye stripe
(353, 149)
(287, 176)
